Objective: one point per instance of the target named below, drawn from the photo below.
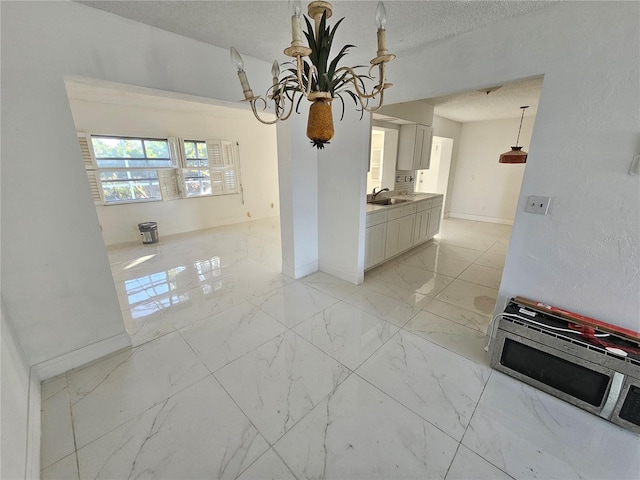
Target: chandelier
(312, 74)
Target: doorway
(436, 178)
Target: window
(197, 178)
(209, 167)
(130, 185)
(123, 167)
(116, 152)
(130, 169)
(224, 176)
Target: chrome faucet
(374, 194)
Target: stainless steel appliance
(593, 369)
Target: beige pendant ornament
(320, 123)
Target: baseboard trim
(356, 279)
(480, 218)
(81, 356)
(34, 427)
(300, 272)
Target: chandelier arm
(279, 98)
(312, 69)
(361, 94)
(381, 74)
(283, 101)
(279, 104)
(380, 102)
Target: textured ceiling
(477, 105)
(261, 29)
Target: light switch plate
(539, 205)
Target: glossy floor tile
(358, 432)
(238, 371)
(529, 434)
(278, 383)
(440, 386)
(168, 441)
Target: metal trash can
(149, 232)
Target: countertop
(412, 197)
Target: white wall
(258, 165)
(298, 179)
(436, 178)
(583, 256)
(20, 439)
(484, 189)
(443, 127)
(56, 277)
(342, 192)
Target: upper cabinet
(414, 147)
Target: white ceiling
(477, 105)
(261, 29)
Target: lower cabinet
(375, 241)
(399, 235)
(421, 229)
(391, 232)
(434, 221)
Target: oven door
(551, 367)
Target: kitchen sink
(387, 201)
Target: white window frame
(223, 166)
(222, 156)
(204, 170)
(129, 171)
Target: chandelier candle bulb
(238, 65)
(381, 16)
(275, 72)
(296, 25)
(381, 22)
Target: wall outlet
(539, 205)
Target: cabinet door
(421, 228)
(434, 221)
(417, 148)
(405, 232)
(375, 239)
(392, 247)
(414, 147)
(424, 161)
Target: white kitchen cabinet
(414, 147)
(400, 229)
(421, 228)
(394, 230)
(399, 235)
(434, 220)
(375, 241)
(375, 238)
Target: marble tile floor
(237, 371)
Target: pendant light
(516, 155)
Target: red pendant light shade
(515, 155)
